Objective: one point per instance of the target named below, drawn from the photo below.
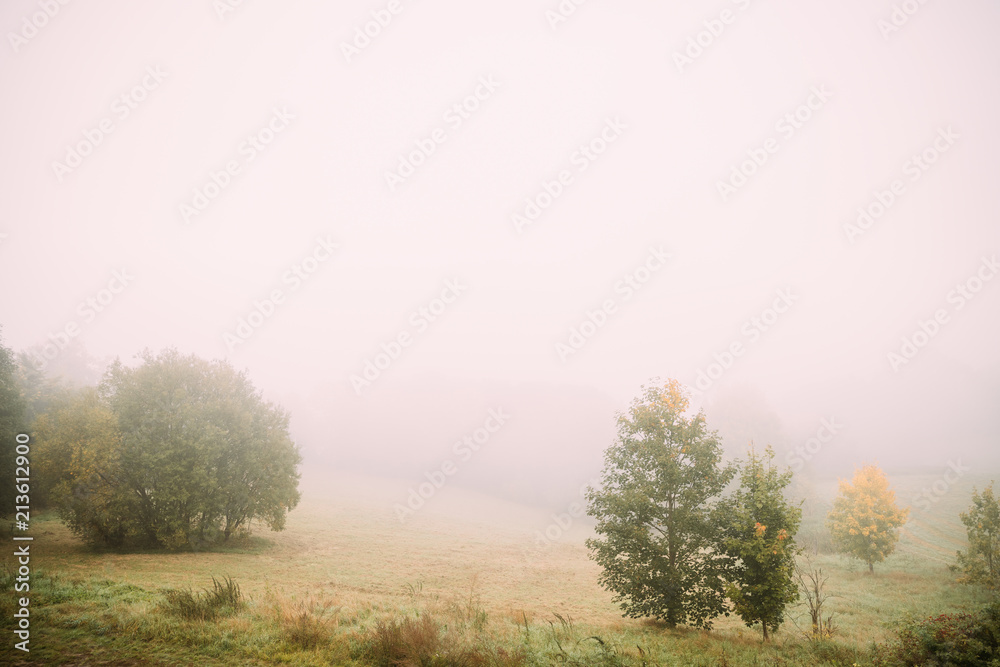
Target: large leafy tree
(13, 420)
(758, 527)
(656, 542)
(980, 563)
(191, 454)
(865, 520)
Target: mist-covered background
(114, 229)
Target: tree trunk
(871, 568)
(765, 631)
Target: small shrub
(946, 639)
(224, 599)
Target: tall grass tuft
(307, 624)
(408, 641)
(420, 642)
(224, 599)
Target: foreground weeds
(107, 622)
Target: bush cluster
(971, 639)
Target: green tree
(13, 420)
(656, 542)
(758, 527)
(42, 394)
(77, 452)
(865, 519)
(192, 454)
(980, 563)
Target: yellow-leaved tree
(865, 519)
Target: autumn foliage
(865, 519)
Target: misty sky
(614, 122)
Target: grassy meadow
(459, 583)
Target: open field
(317, 591)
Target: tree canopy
(865, 519)
(175, 452)
(758, 527)
(980, 563)
(656, 538)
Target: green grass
(224, 599)
(347, 584)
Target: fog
(577, 202)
